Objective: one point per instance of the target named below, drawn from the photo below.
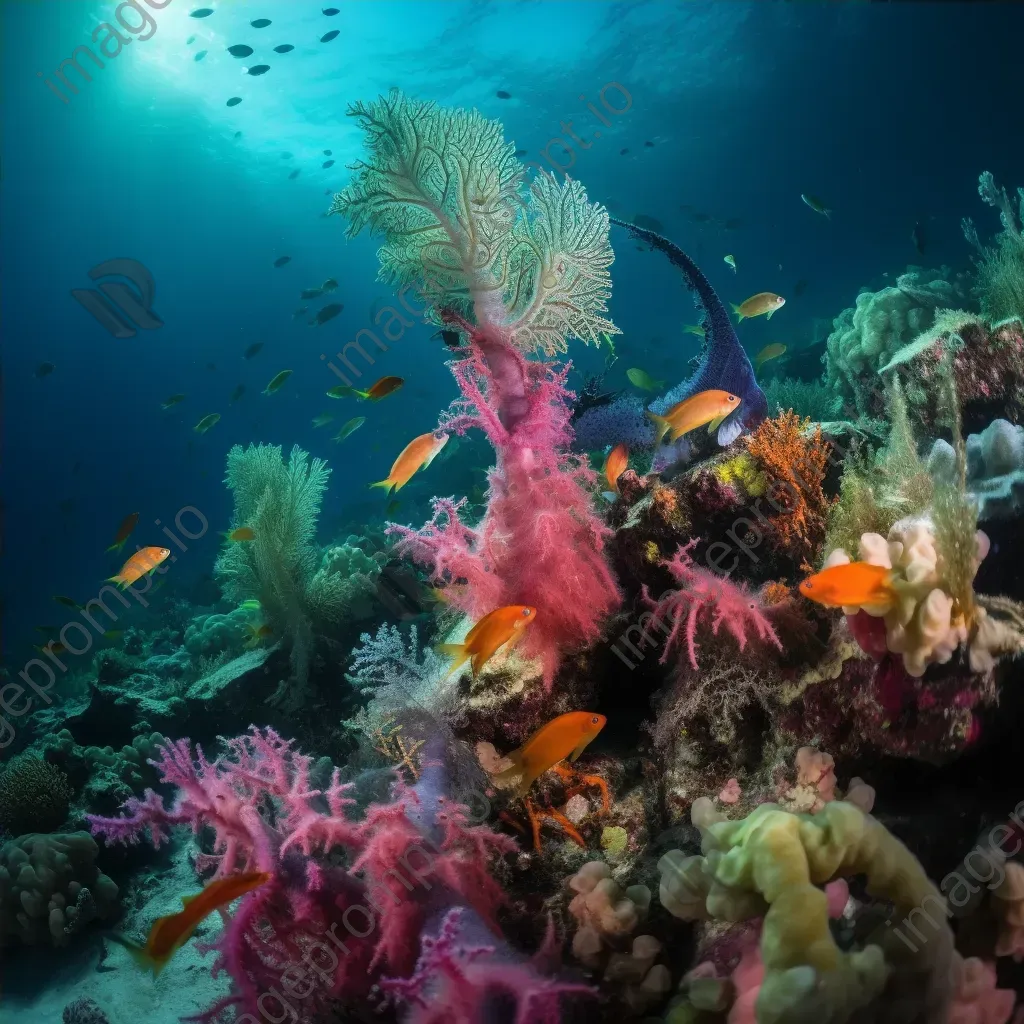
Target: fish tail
(515, 769)
(828, 214)
(661, 426)
(118, 580)
(117, 545)
(138, 953)
(736, 310)
(386, 483)
(459, 652)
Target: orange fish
(618, 460)
(124, 531)
(704, 407)
(852, 584)
(491, 632)
(762, 302)
(416, 455)
(143, 561)
(381, 389)
(564, 736)
(168, 934)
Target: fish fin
(117, 579)
(730, 429)
(506, 775)
(736, 310)
(661, 426)
(828, 214)
(769, 315)
(459, 652)
(385, 483)
(580, 747)
(716, 423)
(138, 953)
(117, 546)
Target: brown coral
(794, 459)
(34, 796)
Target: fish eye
(732, 398)
(526, 611)
(595, 720)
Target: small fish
(260, 23)
(327, 163)
(493, 631)
(322, 420)
(240, 50)
(190, 40)
(617, 461)
(816, 205)
(168, 934)
(800, 287)
(310, 293)
(705, 407)
(237, 393)
(113, 634)
(67, 602)
(623, 151)
(349, 427)
(375, 392)
(566, 736)
(648, 144)
(200, 55)
(610, 345)
(503, 95)
(234, 101)
(284, 48)
(328, 36)
(45, 369)
(242, 533)
(855, 584)
(917, 237)
(416, 455)
(327, 152)
(643, 380)
(277, 382)
(731, 260)
(762, 302)
(258, 69)
(254, 349)
(329, 12)
(206, 422)
(282, 260)
(301, 311)
(693, 329)
(325, 314)
(124, 531)
(257, 634)
(329, 285)
(769, 352)
(238, 135)
(173, 400)
(521, 152)
(201, 12)
(54, 647)
(251, 605)
(144, 560)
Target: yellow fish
(756, 305)
(642, 379)
(769, 352)
(693, 329)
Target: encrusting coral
(34, 796)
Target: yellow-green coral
(614, 839)
(741, 472)
(774, 863)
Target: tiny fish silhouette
(284, 48)
(282, 260)
(240, 50)
(234, 101)
(200, 55)
(260, 23)
(503, 95)
(202, 12)
(259, 69)
(328, 36)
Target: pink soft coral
(704, 593)
(977, 1000)
(265, 815)
(455, 985)
(540, 542)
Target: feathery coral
(703, 593)
(794, 461)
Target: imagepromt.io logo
(119, 304)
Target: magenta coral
(457, 985)
(540, 542)
(715, 598)
(266, 815)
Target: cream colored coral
(773, 863)
(604, 910)
(921, 622)
(1008, 901)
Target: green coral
(34, 796)
(1000, 266)
(299, 593)
(447, 192)
(741, 472)
(807, 398)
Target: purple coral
(454, 984)
(705, 594)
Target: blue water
(888, 112)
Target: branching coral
(445, 189)
(34, 796)
(704, 594)
(280, 503)
(539, 543)
(794, 462)
(267, 815)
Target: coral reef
(84, 1011)
(50, 888)
(1000, 267)
(34, 796)
(812, 400)
(995, 469)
